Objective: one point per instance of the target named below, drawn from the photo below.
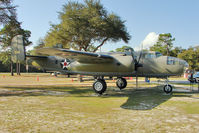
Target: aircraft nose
(186, 65)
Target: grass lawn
(43, 103)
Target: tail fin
(17, 49)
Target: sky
(145, 19)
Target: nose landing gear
(167, 88)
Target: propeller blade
(139, 57)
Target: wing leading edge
(36, 57)
(83, 57)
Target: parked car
(194, 78)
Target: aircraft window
(158, 54)
(182, 62)
(150, 55)
(170, 61)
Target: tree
(191, 56)
(122, 49)
(177, 50)
(10, 30)
(4, 58)
(7, 11)
(86, 26)
(7, 33)
(40, 43)
(164, 44)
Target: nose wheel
(168, 88)
(99, 86)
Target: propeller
(136, 62)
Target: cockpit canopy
(151, 54)
(148, 54)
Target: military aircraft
(110, 64)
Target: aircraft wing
(83, 57)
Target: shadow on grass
(145, 99)
(140, 99)
(46, 91)
(149, 98)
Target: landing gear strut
(121, 83)
(167, 88)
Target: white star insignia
(65, 64)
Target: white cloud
(149, 41)
(196, 45)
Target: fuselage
(153, 65)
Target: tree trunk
(11, 69)
(100, 45)
(167, 50)
(19, 68)
(27, 67)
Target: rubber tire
(192, 80)
(196, 80)
(168, 91)
(121, 83)
(101, 84)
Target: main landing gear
(99, 86)
(121, 83)
(167, 88)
